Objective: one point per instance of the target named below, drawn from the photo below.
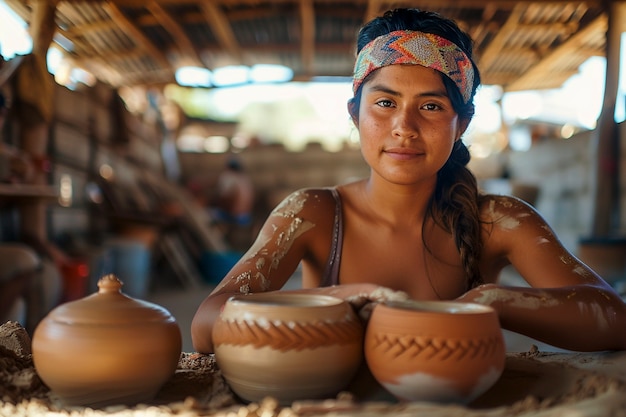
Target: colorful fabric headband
(411, 47)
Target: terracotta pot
(434, 350)
(287, 346)
(106, 348)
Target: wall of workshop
(562, 171)
(274, 171)
(91, 128)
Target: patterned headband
(411, 47)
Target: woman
(418, 225)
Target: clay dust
(534, 383)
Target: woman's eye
(431, 106)
(384, 103)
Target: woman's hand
(362, 297)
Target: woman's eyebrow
(385, 89)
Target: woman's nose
(405, 124)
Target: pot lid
(109, 306)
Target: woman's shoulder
(502, 202)
(493, 207)
(318, 202)
(307, 201)
(508, 212)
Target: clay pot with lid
(436, 351)
(288, 346)
(106, 348)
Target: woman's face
(406, 123)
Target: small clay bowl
(435, 351)
(106, 348)
(287, 346)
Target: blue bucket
(130, 261)
(215, 265)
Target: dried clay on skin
(283, 240)
(503, 221)
(291, 206)
(530, 301)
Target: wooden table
(533, 384)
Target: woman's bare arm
(284, 240)
(579, 317)
(567, 304)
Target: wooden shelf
(27, 191)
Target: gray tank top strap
(331, 273)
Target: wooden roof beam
(86, 28)
(490, 54)
(135, 34)
(307, 43)
(78, 45)
(128, 54)
(218, 22)
(180, 38)
(555, 27)
(425, 4)
(574, 43)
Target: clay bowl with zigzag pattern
(287, 346)
(435, 351)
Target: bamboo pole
(606, 215)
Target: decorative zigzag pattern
(292, 336)
(411, 47)
(435, 348)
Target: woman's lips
(403, 153)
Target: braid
(454, 207)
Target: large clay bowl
(106, 348)
(287, 346)
(435, 351)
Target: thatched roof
(519, 44)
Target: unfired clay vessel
(106, 348)
(288, 346)
(435, 351)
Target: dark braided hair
(454, 204)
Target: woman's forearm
(202, 323)
(581, 318)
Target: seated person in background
(19, 266)
(235, 195)
(30, 281)
(418, 226)
(234, 201)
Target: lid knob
(109, 283)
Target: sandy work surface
(533, 384)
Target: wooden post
(605, 250)
(606, 206)
(43, 25)
(35, 89)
